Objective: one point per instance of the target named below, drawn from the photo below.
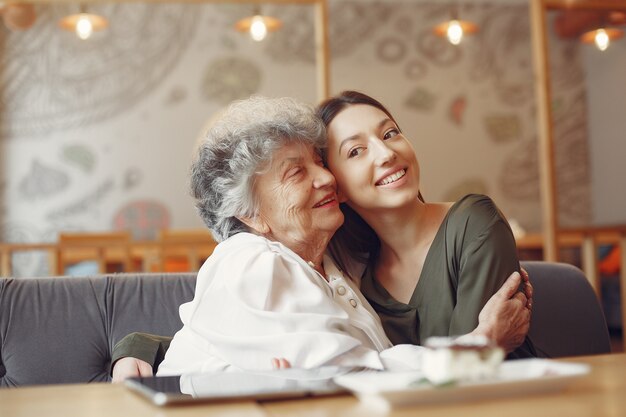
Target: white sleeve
(254, 304)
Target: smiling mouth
(392, 178)
(324, 202)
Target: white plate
(519, 377)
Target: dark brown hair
(355, 240)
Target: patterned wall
(98, 135)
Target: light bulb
(454, 32)
(602, 39)
(258, 29)
(84, 27)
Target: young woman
(429, 268)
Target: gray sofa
(62, 330)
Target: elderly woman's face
(297, 197)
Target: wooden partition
(102, 248)
(116, 248)
(182, 250)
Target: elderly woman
(269, 291)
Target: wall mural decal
(219, 19)
(42, 181)
(420, 99)
(436, 50)
(56, 81)
(570, 120)
(351, 24)
(415, 69)
(502, 55)
(231, 78)
(143, 218)
(457, 110)
(3, 193)
(177, 95)
(227, 42)
(502, 58)
(24, 264)
(503, 128)
(391, 49)
(519, 176)
(572, 160)
(404, 24)
(132, 178)
(467, 186)
(79, 155)
(84, 204)
(566, 69)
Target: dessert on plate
(468, 358)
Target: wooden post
(622, 284)
(5, 262)
(322, 50)
(101, 260)
(53, 260)
(590, 261)
(193, 259)
(60, 262)
(545, 133)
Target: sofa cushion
(62, 330)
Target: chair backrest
(89, 238)
(101, 248)
(185, 235)
(567, 318)
(184, 250)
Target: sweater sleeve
(146, 347)
(486, 255)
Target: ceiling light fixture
(455, 29)
(83, 23)
(602, 37)
(258, 25)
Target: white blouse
(256, 300)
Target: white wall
(606, 95)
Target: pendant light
(83, 23)
(455, 29)
(257, 25)
(602, 37)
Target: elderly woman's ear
(256, 224)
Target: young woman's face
(374, 164)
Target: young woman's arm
(486, 255)
(138, 354)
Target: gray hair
(239, 146)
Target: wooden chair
(107, 249)
(184, 250)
